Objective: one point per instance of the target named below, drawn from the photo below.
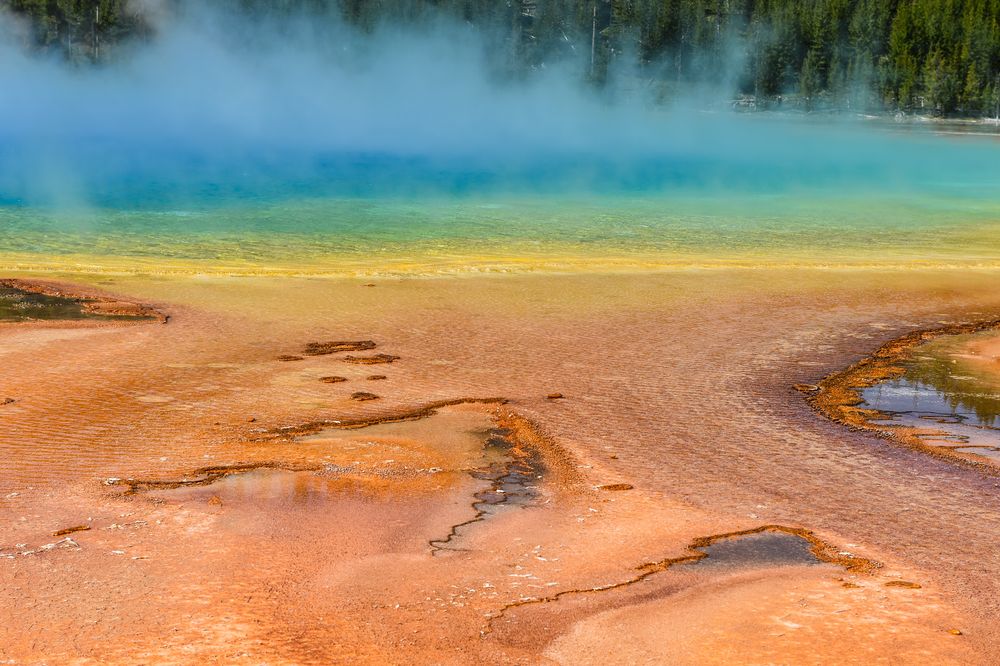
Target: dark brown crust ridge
(376, 359)
(205, 476)
(411, 414)
(334, 346)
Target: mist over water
(221, 138)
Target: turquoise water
(233, 146)
(362, 235)
(761, 193)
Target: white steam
(215, 97)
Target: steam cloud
(217, 106)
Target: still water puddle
(766, 549)
(456, 449)
(950, 389)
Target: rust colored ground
(239, 510)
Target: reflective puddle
(950, 389)
(456, 449)
(267, 487)
(766, 549)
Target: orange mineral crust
(175, 493)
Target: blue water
(738, 191)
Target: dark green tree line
(930, 56)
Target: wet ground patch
(21, 305)
(262, 488)
(24, 301)
(453, 446)
(513, 480)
